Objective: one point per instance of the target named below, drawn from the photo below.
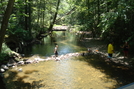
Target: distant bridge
(60, 28)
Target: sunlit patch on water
(68, 73)
(63, 74)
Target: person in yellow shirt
(110, 50)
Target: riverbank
(99, 52)
(101, 47)
(36, 74)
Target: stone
(2, 70)
(21, 62)
(20, 69)
(4, 67)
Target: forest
(23, 22)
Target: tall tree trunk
(38, 13)
(55, 16)
(38, 16)
(29, 20)
(98, 6)
(43, 18)
(26, 18)
(44, 8)
(98, 18)
(5, 20)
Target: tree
(55, 15)
(5, 21)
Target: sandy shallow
(63, 74)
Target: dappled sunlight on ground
(72, 69)
(73, 73)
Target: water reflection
(67, 44)
(81, 72)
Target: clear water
(64, 74)
(80, 72)
(67, 43)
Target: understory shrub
(4, 55)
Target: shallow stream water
(90, 72)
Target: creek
(78, 72)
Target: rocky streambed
(36, 59)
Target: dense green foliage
(109, 19)
(5, 52)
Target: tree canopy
(109, 19)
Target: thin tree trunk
(72, 10)
(38, 13)
(98, 5)
(43, 18)
(29, 20)
(55, 16)
(5, 20)
(38, 17)
(26, 18)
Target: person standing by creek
(56, 51)
(110, 50)
(125, 49)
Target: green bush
(5, 49)
(5, 52)
(3, 56)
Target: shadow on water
(123, 75)
(17, 82)
(68, 44)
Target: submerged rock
(20, 69)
